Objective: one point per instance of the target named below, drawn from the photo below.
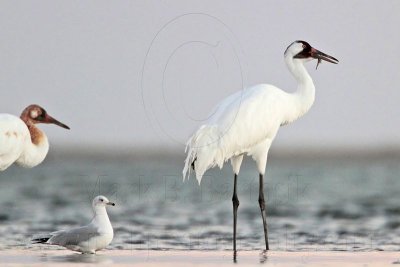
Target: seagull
(21, 141)
(86, 239)
(247, 122)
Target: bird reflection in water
(77, 258)
(263, 256)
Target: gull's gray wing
(73, 237)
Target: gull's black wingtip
(40, 240)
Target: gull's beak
(49, 119)
(322, 56)
(111, 203)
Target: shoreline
(175, 258)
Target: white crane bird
(21, 141)
(247, 122)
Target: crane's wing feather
(240, 122)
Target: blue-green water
(338, 203)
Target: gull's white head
(101, 201)
(303, 51)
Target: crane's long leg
(235, 203)
(261, 201)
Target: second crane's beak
(322, 56)
(49, 119)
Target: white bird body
(247, 122)
(21, 141)
(16, 144)
(95, 236)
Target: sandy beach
(195, 258)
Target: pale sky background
(147, 73)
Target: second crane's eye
(304, 46)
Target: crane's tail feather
(203, 151)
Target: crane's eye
(101, 199)
(40, 117)
(304, 46)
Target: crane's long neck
(36, 147)
(304, 96)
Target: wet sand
(195, 258)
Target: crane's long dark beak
(322, 56)
(49, 119)
(111, 203)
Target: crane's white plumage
(243, 125)
(16, 145)
(247, 122)
(21, 141)
(86, 239)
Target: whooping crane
(21, 141)
(247, 122)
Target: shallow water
(325, 204)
